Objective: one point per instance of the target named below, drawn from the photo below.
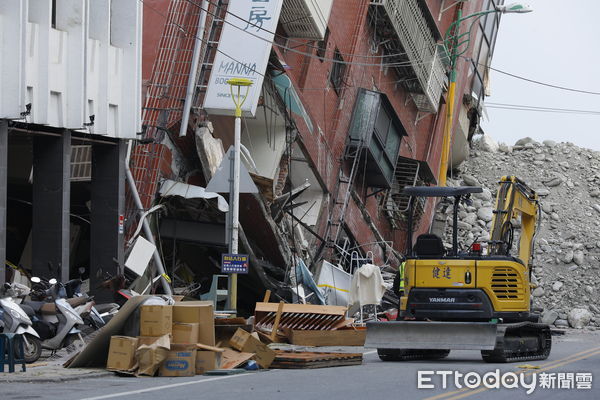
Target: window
(322, 46)
(53, 21)
(482, 60)
(375, 126)
(338, 69)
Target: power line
(187, 33)
(534, 81)
(516, 107)
(291, 39)
(333, 60)
(540, 107)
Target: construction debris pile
(188, 338)
(567, 247)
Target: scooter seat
(77, 301)
(48, 308)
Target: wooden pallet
(298, 316)
(306, 360)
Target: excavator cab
(465, 299)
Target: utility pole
(234, 193)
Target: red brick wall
(350, 33)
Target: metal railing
(416, 39)
(395, 205)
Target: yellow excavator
(468, 300)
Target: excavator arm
(515, 199)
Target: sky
(557, 43)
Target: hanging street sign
(234, 263)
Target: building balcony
(374, 137)
(406, 35)
(305, 19)
(408, 172)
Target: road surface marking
(162, 387)
(466, 392)
(544, 367)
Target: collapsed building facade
(350, 108)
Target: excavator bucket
(431, 335)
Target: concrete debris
(487, 143)
(549, 316)
(567, 251)
(579, 318)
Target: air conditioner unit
(305, 19)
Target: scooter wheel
(32, 347)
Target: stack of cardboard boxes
(176, 340)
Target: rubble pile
(567, 249)
(187, 338)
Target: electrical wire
(188, 33)
(505, 106)
(533, 80)
(398, 64)
(300, 42)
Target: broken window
(376, 129)
(338, 70)
(322, 46)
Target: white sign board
(140, 256)
(243, 52)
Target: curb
(10, 379)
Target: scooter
(14, 319)
(60, 317)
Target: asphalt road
(576, 353)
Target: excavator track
(411, 354)
(523, 341)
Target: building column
(51, 206)
(3, 190)
(107, 221)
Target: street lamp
(454, 42)
(234, 193)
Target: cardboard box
(183, 332)
(151, 356)
(245, 342)
(207, 358)
(199, 312)
(181, 361)
(231, 358)
(156, 320)
(121, 353)
(206, 361)
(340, 337)
(147, 340)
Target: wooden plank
(301, 308)
(345, 337)
(267, 296)
(306, 360)
(277, 319)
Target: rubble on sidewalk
(151, 336)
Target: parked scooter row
(55, 317)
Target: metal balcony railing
(395, 205)
(406, 20)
